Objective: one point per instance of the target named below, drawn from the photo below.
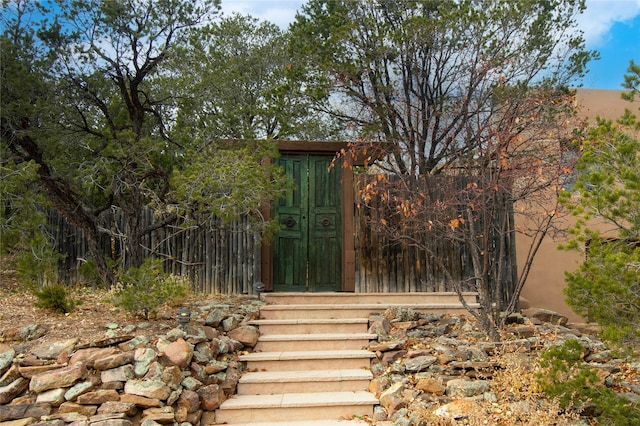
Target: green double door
(308, 249)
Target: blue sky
(611, 27)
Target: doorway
(307, 252)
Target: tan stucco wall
(546, 280)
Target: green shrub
(606, 288)
(565, 377)
(54, 297)
(142, 290)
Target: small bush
(142, 290)
(55, 297)
(564, 376)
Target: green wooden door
(308, 249)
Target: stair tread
(296, 355)
(295, 321)
(304, 376)
(293, 400)
(317, 336)
(347, 306)
(327, 422)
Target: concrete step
(324, 422)
(386, 299)
(270, 382)
(313, 342)
(299, 406)
(308, 326)
(308, 360)
(326, 311)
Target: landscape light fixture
(258, 288)
(183, 317)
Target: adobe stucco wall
(546, 280)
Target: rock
(98, 397)
(78, 389)
(29, 372)
(60, 378)
(21, 411)
(172, 376)
(189, 400)
(216, 316)
(156, 371)
(147, 388)
(546, 315)
(115, 419)
(10, 374)
(141, 401)
(178, 353)
(132, 343)
(392, 356)
(430, 385)
(386, 346)
(32, 332)
(231, 345)
(13, 389)
(420, 363)
(381, 327)
(215, 367)
(88, 356)
(6, 360)
(457, 409)
(401, 314)
(231, 322)
(460, 388)
(72, 407)
(230, 382)
(113, 361)
(54, 397)
(522, 330)
(379, 384)
(599, 357)
(406, 325)
(393, 399)
(111, 407)
(119, 374)
(31, 421)
(72, 418)
(53, 349)
(211, 397)
(247, 335)
(474, 365)
(160, 415)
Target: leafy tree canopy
(99, 112)
(462, 106)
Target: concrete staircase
(311, 365)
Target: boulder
(60, 378)
(546, 315)
(461, 388)
(247, 335)
(178, 353)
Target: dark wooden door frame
(348, 237)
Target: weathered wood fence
(217, 257)
(386, 264)
(225, 258)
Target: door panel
(325, 225)
(308, 249)
(291, 243)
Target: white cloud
(279, 12)
(601, 15)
